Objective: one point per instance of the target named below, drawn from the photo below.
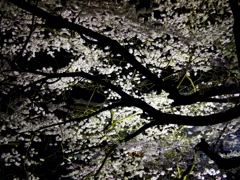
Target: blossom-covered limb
(116, 47)
(103, 41)
(84, 117)
(160, 118)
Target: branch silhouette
(222, 163)
(103, 41)
(159, 117)
(235, 7)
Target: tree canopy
(125, 89)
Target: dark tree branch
(186, 120)
(103, 41)
(204, 97)
(32, 28)
(104, 161)
(236, 27)
(160, 118)
(222, 163)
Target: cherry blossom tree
(125, 89)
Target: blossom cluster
(38, 110)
